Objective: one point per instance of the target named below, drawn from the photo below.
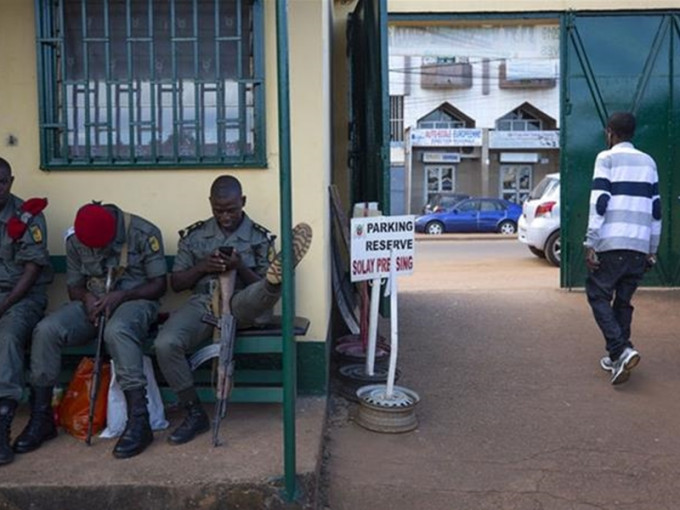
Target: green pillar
(288, 289)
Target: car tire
(434, 228)
(553, 248)
(539, 253)
(507, 227)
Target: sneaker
(627, 361)
(302, 239)
(606, 364)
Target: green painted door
(369, 117)
(613, 62)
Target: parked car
(472, 215)
(443, 201)
(539, 225)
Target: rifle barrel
(96, 376)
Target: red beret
(95, 226)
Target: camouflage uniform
(128, 326)
(252, 305)
(17, 323)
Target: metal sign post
(384, 247)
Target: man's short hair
(225, 185)
(4, 164)
(622, 124)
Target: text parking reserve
(389, 244)
(388, 227)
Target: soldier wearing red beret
(103, 237)
(25, 272)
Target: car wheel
(507, 227)
(434, 228)
(553, 248)
(539, 253)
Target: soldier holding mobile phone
(229, 240)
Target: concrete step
(245, 472)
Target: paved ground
(244, 473)
(516, 413)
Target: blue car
(473, 215)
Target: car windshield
(543, 187)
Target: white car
(539, 225)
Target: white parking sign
(376, 241)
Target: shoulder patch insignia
(186, 231)
(270, 237)
(36, 233)
(154, 244)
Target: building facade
(474, 105)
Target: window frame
(56, 149)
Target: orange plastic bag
(75, 406)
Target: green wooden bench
(258, 375)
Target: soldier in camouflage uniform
(104, 238)
(197, 266)
(25, 271)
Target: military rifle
(222, 349)
(96, 371)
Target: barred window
(151, 83)
(396, 118)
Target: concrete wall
(174, 199)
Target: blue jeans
(616, 279)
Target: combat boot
(195, 422)
(41, 426)
(137, 434)
(7, 407)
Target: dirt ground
(515, 412)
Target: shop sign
(441, 157)
(464, 137)
(524, 140)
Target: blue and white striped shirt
(625, 207)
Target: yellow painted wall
(173, 199)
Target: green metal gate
(612, 62)
(369, 116)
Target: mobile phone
(226, 251)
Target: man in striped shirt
(624, 227)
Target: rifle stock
(225, 363)
(96, 371)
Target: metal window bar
(257, 20)
(220, 107)
(198, 146)
(60, 115)
(242, 111)
(131, 88)
(86, 67)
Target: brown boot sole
(302, 240)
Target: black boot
(7, 408)
(137, 434)
(41, 426)
(195, 422)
